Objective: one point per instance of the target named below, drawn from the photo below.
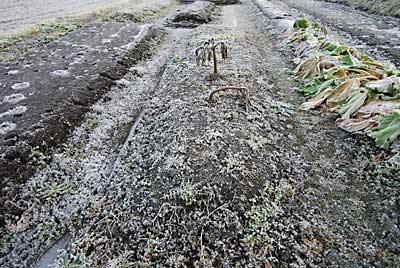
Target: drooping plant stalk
(208, 50)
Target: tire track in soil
(117, 114)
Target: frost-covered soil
(20, 15)
(387, 7)
(155, 177)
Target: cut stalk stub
(244, 99)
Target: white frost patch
(77, 60)
(137, 38)
(139, 70)
(395, 160)
(6, 127)
(123, 82)
(13, 72)
(14, 111)
(14, 98)
(106, 41)
(61, 73)
(21, 86)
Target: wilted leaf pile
(364, 92)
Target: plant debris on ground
(365, 93)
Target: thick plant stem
(242, 90)
(215, 61)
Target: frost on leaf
(355, 101)
(388, 131)
(363, 91)
(388, 85)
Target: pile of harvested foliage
(364, 92)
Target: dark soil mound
(197, 13)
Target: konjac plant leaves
(388, 85)
(363, 91)
(355, 101)
(388, 131)
(357, 125)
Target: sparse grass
(281, 108)
(38, 155)
(258, 226)
(103, 15)
(256, 143)
(79, 261)
(9, 40)
(387, 174)
(186, 192)
(122, 261)
(179, 61)
(147, 14)
(267, 206)
(60, 28)
(45, 32)
(90, 125)
(41, 34)
(233, 163)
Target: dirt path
(164, 180)
(19, 15)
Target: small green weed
(257, 230)
(56, 189)
(90, 125)
(282, 108)
(186, 192)
(46, 32)
(179, 61)
(38, 155)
